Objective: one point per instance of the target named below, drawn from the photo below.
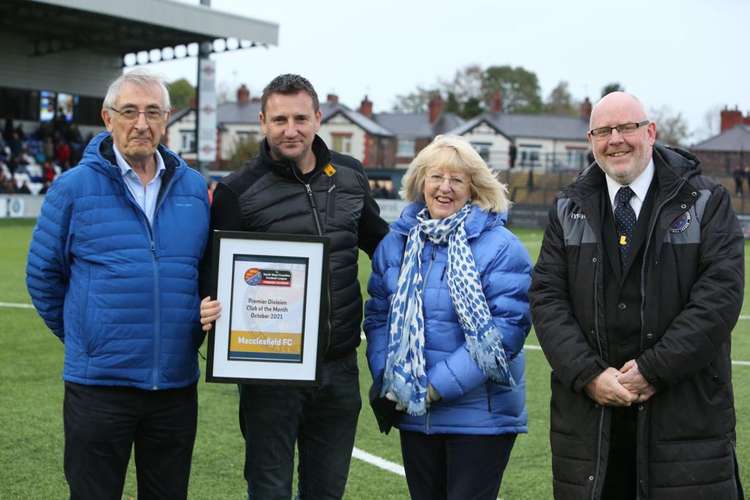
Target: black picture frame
(268, 282)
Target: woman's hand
(210, 312)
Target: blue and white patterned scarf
(405, 375)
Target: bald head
(614, 102)
(624, 145)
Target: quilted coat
(121, 295)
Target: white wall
(81, 72)
(231, 136)
(340, 124)
(483, 133)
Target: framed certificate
(271, 288)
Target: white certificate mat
(270, 287)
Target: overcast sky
(690, 55)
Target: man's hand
(210, 312)
(630, 378)
(607, 390)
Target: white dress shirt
(639, 186)
(145, 196)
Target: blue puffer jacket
(471, 403)
(122, 296)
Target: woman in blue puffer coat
(446, 323)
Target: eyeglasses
(152, 115)
(622, 129)
(453, 181)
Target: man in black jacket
(638, 285)
(296, 185)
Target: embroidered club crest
(329, 170)
(680, 223)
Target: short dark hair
(289, 84)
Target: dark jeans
(322, 421)
(103, 423)
(621, 480)
(454, 466)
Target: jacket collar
(673, 167)
(288, 168)
(100, 155)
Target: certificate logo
(268, 277)
(253, 276)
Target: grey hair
(141, 78)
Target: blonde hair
(455, 153)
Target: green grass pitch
(31, 409)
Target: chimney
(243, 94)
(496, 103)
(586, 109)
(332, 99)
(730, 118)
(365, 107)
(435, 107)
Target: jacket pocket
(331, 204)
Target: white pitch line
(378, 462)
(15, 305)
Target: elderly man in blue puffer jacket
(113, 271)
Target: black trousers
(321, 420)
(454, 466)
(621, 480)
(102, 424)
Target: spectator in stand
(48, 172)
(15, 144)
(62, 154)
(48, 148)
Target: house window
(483, 148)
(341, 143)
(246, 135)
(187, 141)
(405, 148)
(529, 155)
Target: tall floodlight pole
(205, 117)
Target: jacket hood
(288, 168)
(477, 221)
(100, 156)
(678, 165)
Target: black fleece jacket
(333, 201)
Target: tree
(710, 124)
(671, 128)
(560, 102)
(519, 87)
(612, 87)
(465, 85)
(414, 102)
(244, 149)
(181, 93)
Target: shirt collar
(639, 186)
(125, 166)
